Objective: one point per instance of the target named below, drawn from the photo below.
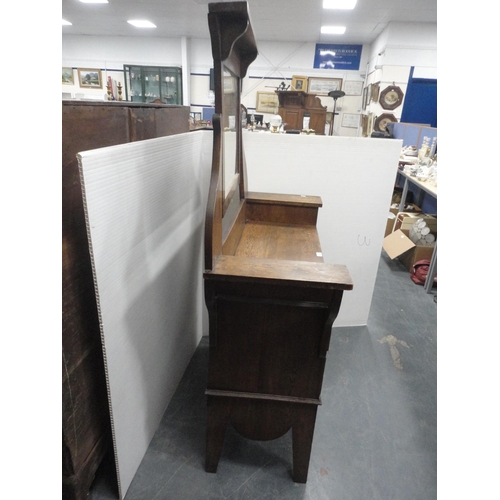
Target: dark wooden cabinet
(294, 105)
(270, 297)
(86, 428)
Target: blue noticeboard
(334, 56)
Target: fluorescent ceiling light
(139, 23)
(333, 30)
(94, 1)
(339, 4)
(66, 23)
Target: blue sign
(332, 56)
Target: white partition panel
(355, 179)
(145, 204)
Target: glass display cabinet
(153, 83)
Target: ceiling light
(94, 1)
(339, 4)
(66, 23)
(139, 23)
(333, 30)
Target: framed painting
(67, 76)
(321, 86)
(90, 78)
(299, 83)
(267, 102)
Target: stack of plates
(421, 234)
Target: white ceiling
(276, 20)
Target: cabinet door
(317, 121)
(292, 118)
(151, 84)
(171, 85)
(133, 84)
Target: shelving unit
(153, 83)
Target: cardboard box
(391, 217)
(398, 244)
(405, 220)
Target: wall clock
(391, 97)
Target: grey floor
(375, 435)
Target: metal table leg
(429, 281)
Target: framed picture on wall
(267, 102)
(90, 78)
(67, 76)
(382, 121)
(353, 88)
(365, 98)
(368, 94)
(350, 120)
(322, 86)
(299, 83)
(391, 97)
(364, 125)
(374, 91)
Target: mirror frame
(233, 48)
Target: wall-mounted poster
(335, 56)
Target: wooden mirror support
(271, 299)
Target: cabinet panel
(293, 118)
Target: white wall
(400, 47)
(405, 44)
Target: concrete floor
(375, 435)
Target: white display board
(355, 179)
(145, 205)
